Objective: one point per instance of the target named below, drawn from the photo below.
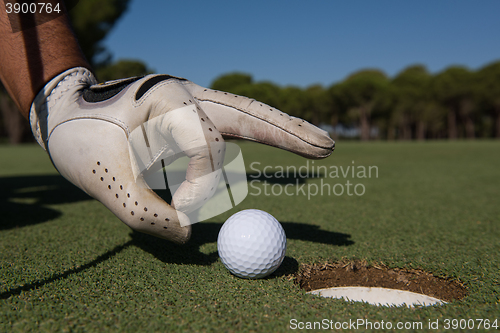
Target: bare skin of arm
(31, 57)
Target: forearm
(31, 57)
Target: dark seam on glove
(102, 92)
(150, 83)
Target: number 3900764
(32, 8)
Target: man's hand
(90, 132)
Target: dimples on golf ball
(251, 244)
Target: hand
(90, 132)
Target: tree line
(413, 105)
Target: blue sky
(299, 42)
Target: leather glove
(89, 130)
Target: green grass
(67, 264)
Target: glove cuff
(49, 96)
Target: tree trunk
(334, 121)
(391, 132)
(452, 124)
(315, 117)
(421, 130)
(364, 122)
(406, 128)
(469, 128)
(497, 122)
(466, 111)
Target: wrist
(32, 55)
(43, 110)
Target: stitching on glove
(143, 89)
(102, 117)
(140, 102)
(255, 115)
(277, 146)
(113, 185)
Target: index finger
(246, 118)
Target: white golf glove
(91, 131)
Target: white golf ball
(251, 244)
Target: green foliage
(122, 69)
(92, 20)
(360, 89)
(413, 83)
(318, 104)
(313, 103)
(266, 92)
(456, 88)
(489, 84)
(412, 101)
(414, 104)
(293, 101)
(360, 94)
(489, 94)
(243, 84)
(363, 87)
(452, 85)
(231, 82)
(337, 101)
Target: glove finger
(242, 117)
(95, 157)
(183, 127)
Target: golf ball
(251, 244)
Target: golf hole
(378, 284)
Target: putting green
(68, 264)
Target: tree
(231, 82)
(359, 94)
(293, 100)
(455, 89)
(384, 116)
(243, 84)
(489, 92)
(92, 20)
(413, 104)
(318, 104)
(122, 69)
(336, 107)
(266, 92)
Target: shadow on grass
(23, 199)
(277, 176)
(287, 267)
(207, 232)
(65, 274)
(189, 254)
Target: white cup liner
(378, 296)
